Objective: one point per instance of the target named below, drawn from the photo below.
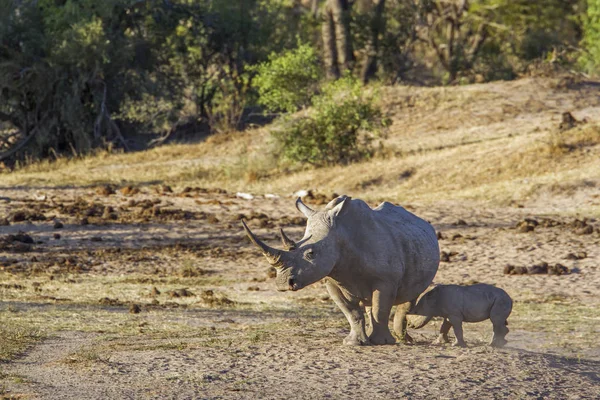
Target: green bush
(493, 64)
(288, 80)
(590, 60)
(341, 128)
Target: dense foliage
(76, 75)
(288, 80)
(340, 129)
(591, 41)
(81, 74)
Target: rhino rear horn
(272, 255)
(304, 209)
(288, 243)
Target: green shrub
(341, 128)
(590, 60)
(288, 80)
(493, 64)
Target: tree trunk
(314, 8)
(377, 28)
(341, 18)
(329, 48)
(337, 41)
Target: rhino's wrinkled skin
(456, 304)
(373, 258)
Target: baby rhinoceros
(458, 304)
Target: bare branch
(14, 149)
(9, 118)
(480, 37)
(98, 123)
(115, 128)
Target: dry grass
(16, 338)
(578, 138)
(567, 324)
(494, 142)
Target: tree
(337, 40)
(455, 34)
(591, 40)
(377, 28)
(82, 74)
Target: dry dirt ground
(150, 291)
(210, 324)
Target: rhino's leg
(458, 331)
(500, 331)
(400, 321)
(354, 314)
(445, 328)
(498, 314)
(383, 299)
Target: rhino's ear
(340, 208)
(336, 201)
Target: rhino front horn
(288, 243)
(272, 255)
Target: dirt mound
(107, 301)
(543, 268)
(577, 226)
(200, 190)
(262, 220)
(26, 215)
(580, 255)
(179, 293)
(316, 198)
(19, 243)
(129, 190)
(134, 309)
(212, 299)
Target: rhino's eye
(309, 255)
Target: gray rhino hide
(374, 258)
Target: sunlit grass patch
(86, 356)
(15, 338)
(565, 322)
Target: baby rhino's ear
(430, 298)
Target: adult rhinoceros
(373, 258)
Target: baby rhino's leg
(456, 322)
(443, 338)
(500, 331)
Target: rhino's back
(397, 217)
(402, 225)
(416, 239)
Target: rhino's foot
(356, 340)
(459, 344)
(498, 342)
(382, 338)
